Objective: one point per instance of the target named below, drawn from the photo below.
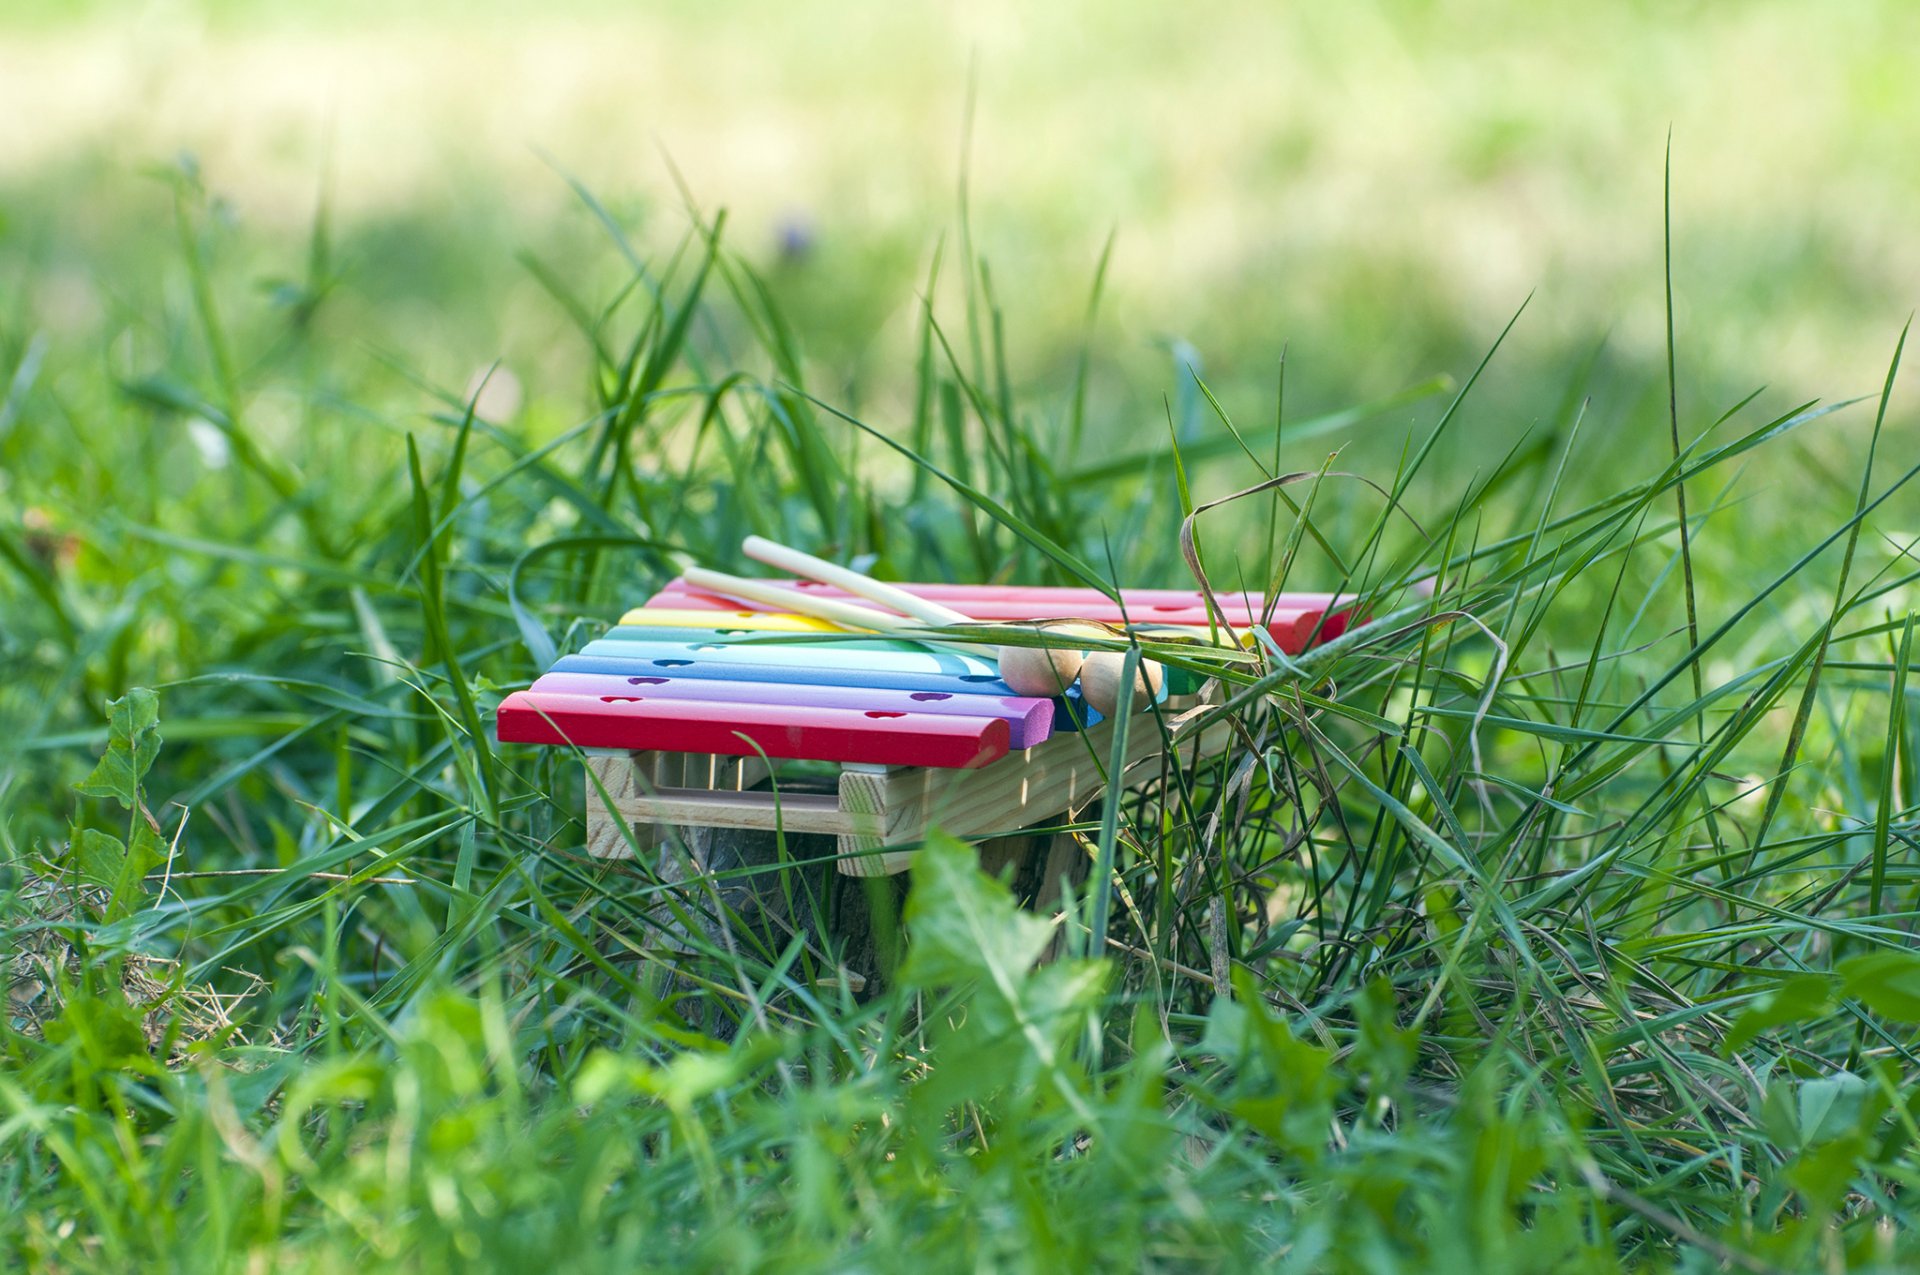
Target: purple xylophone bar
(1029, 720)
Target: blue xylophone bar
(857, 655)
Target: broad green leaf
(1885, 982)
(1386, 1050)
(145, 852)
(1824, 1172)
(1507, 1159)
(965, 931)
(1803, 998)
(108, 1031)
(133, 741)
(1831, 1106)
(1285, 1087)
(103, 861)
(1805, 1113)
(964, 925)
(97, 857)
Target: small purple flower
(794, 237)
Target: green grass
(1555, 936)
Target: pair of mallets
(1048, 669)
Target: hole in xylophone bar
(813, 584)
(878, 713)
(646, 681)
(673, 663)
(705, 646)
(924, 696)
(620, 699)
(978, 677)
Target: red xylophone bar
(697, 726)
(1294, 619)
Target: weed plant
(1559, 917)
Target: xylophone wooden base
(635, 800)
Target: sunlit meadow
(1558, 918)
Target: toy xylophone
(694, 697)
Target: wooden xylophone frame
(880, 813)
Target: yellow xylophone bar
(753, 621)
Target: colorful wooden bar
(870, 737)
(1052, 595)
(989, 609)
(1070, 712)
(726, 621)
(1041, 597)
(1062, 594)
(1029, 720)
(1290, 629)
(1293, 620)
(770, 643)
(628, 664)
(878, 655)
(1293, 634)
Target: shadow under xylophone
(685, 706)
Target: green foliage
(133, 741)
(1514, 931)
(1283, 1087)
(971, 942)
(1888, 983)
(100, 859)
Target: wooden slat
(879, 810)
(623, 775)
(698, 808)
(896, 808)
(631, 777)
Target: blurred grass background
(1376, 186)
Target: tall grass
(1534, 924)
